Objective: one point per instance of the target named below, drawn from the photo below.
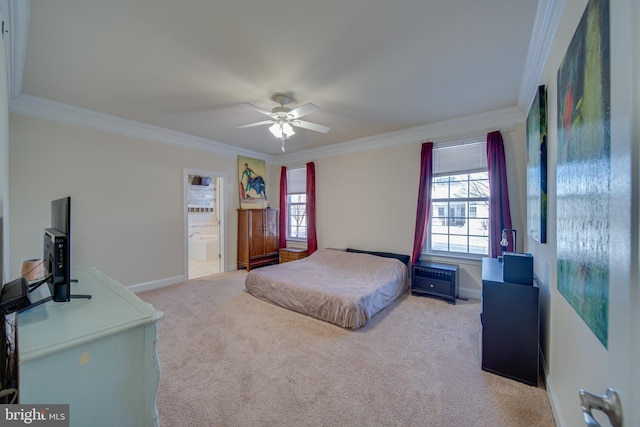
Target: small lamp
(504, 242)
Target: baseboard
(155, 284)
(555, 404)
(467, 293)
(553, 397)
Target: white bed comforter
(344, 288)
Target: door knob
(609, 403)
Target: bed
(344, 287)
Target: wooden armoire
(258, 237)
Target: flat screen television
(57, 250)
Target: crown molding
(545, 26)
(476, 124)
(43, 108)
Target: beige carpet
(229, 359)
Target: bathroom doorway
(204, 237)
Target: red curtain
(283, 207)
(312, 241)
(499, 211)
(424, 200)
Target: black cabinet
(510, 326)
(435, 279)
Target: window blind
(468, 157)
(297, 180)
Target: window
(459, 223)
(297, 203)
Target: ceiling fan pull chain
(282, 143)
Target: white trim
(545, 27)
(155, 284)
(468, 293)
(447, 129)
(554, 401)
(444, 130)
(43, 108)
(222, 218)
(551, 393)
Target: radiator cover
(435, 279)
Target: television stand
(77, 296)
(47, 299)
(51, 298)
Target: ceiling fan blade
(303, 110)
(264, 122)
(258, 109)
(311, 126)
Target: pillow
(405, 259)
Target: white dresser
(98, 355)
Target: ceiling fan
(283, 119)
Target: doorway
(204, 237)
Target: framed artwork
(252, 184)
(537, 167)
(583, 170)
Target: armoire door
(271, 236)
(257, 237)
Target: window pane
(298, 232)
(458, 243)
(440, 188)
(458, 227)
(479, 175)
(479, 227)
(479, 245)
(460, 213)
(479, 188)
(297, 216)
(440, 242)
(297, 198)
(459, 187)
(298, 228)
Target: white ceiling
(372, 66)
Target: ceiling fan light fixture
(287, 129)
(281, 130)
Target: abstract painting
(583, 170)
(252, 183)
(537, 167)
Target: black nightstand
(435, 280)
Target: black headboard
(406, 259)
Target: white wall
(575, 358)
(564, 336)
(127, 198)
